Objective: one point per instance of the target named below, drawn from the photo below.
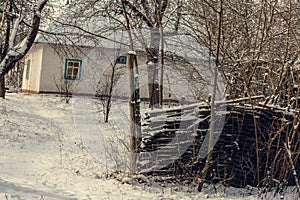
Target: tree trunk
(161, 54)
(8, 62)
(153, 85)
(212, 110)
(152, 61)
(2, 87)
(137, 106)
(133, 141)
(111, 85)
(161, 64)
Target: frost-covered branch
(16, 53)
(138, 13)
(14, 33)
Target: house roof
(80, 24)
(85, 24)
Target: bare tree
(135, 17)
(64, 87)
(259, 54)
(14, 45)
(259, 45)
(106, 85)
(213, 99)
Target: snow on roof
(73, 25)
(85, 24)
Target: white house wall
(48, 67)
(94, 63)
(51, 72)
(32, 84)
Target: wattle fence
(258, 144)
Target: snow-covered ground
(53, 150)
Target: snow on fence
(250, 150)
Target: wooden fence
(250, 148)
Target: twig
(289, 154)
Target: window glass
(72, 69)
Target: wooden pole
(137, 111)
(130, 64)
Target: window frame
(67, 61)
(121, 60)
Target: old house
(81, 65)
(53, 68)
(85, 69)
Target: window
(28, 62)
(121, 60)
(72, 69)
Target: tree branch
(138, 13)
(17, 53)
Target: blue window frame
(73, 69)
(121, 60)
